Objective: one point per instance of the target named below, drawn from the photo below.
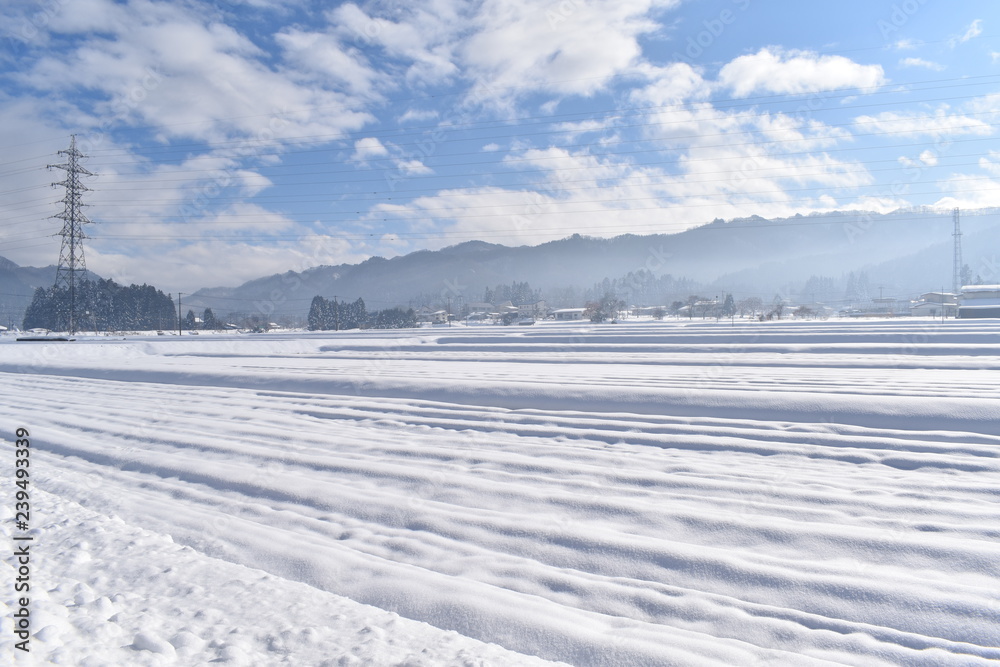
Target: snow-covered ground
(653, 493)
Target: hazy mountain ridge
(905, 253)
(747, 256)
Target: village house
(931, 304)
(979, 301)
(565, 314)
(534, 310)
(425, 314)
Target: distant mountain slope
(753, 254)
(17, 286)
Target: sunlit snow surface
(646, 493)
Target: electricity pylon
(71, 259)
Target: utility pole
(956, 280)
(179, 314)
(336, 312)
(71, 259)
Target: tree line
(101, 305)
(331, 314)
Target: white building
(480, 307)
(425, 314)
(534, 310)
(979, 301)
(931, 304)
(569, 313)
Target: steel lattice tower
(71, 259)
(956, 279)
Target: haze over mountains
(905, 253)
(902, 254)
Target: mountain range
(904, 253)
(901, 254)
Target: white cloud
(937, 124)
(673, 84)
(516, 48)
(179, 68)
(974, 30)
(421, 40)
(774, 70)
(604, 195)
(418, 115)
(927, 158)
(413, 168)
(988, 164)
(920, 62)
(169, 66)
(87, 16)
(987, 105)
(972, 191)
(329, 62)
(367, 148)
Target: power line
(723, 103)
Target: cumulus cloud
(420, 41)
(322, 58)
(565, 49)
(775, 70)
(178, 69)
(920, 62)
(367, 148)
(670, 85)
(369, 79)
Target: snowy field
(647, 493)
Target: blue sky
(232, 140)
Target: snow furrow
(591, 513)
